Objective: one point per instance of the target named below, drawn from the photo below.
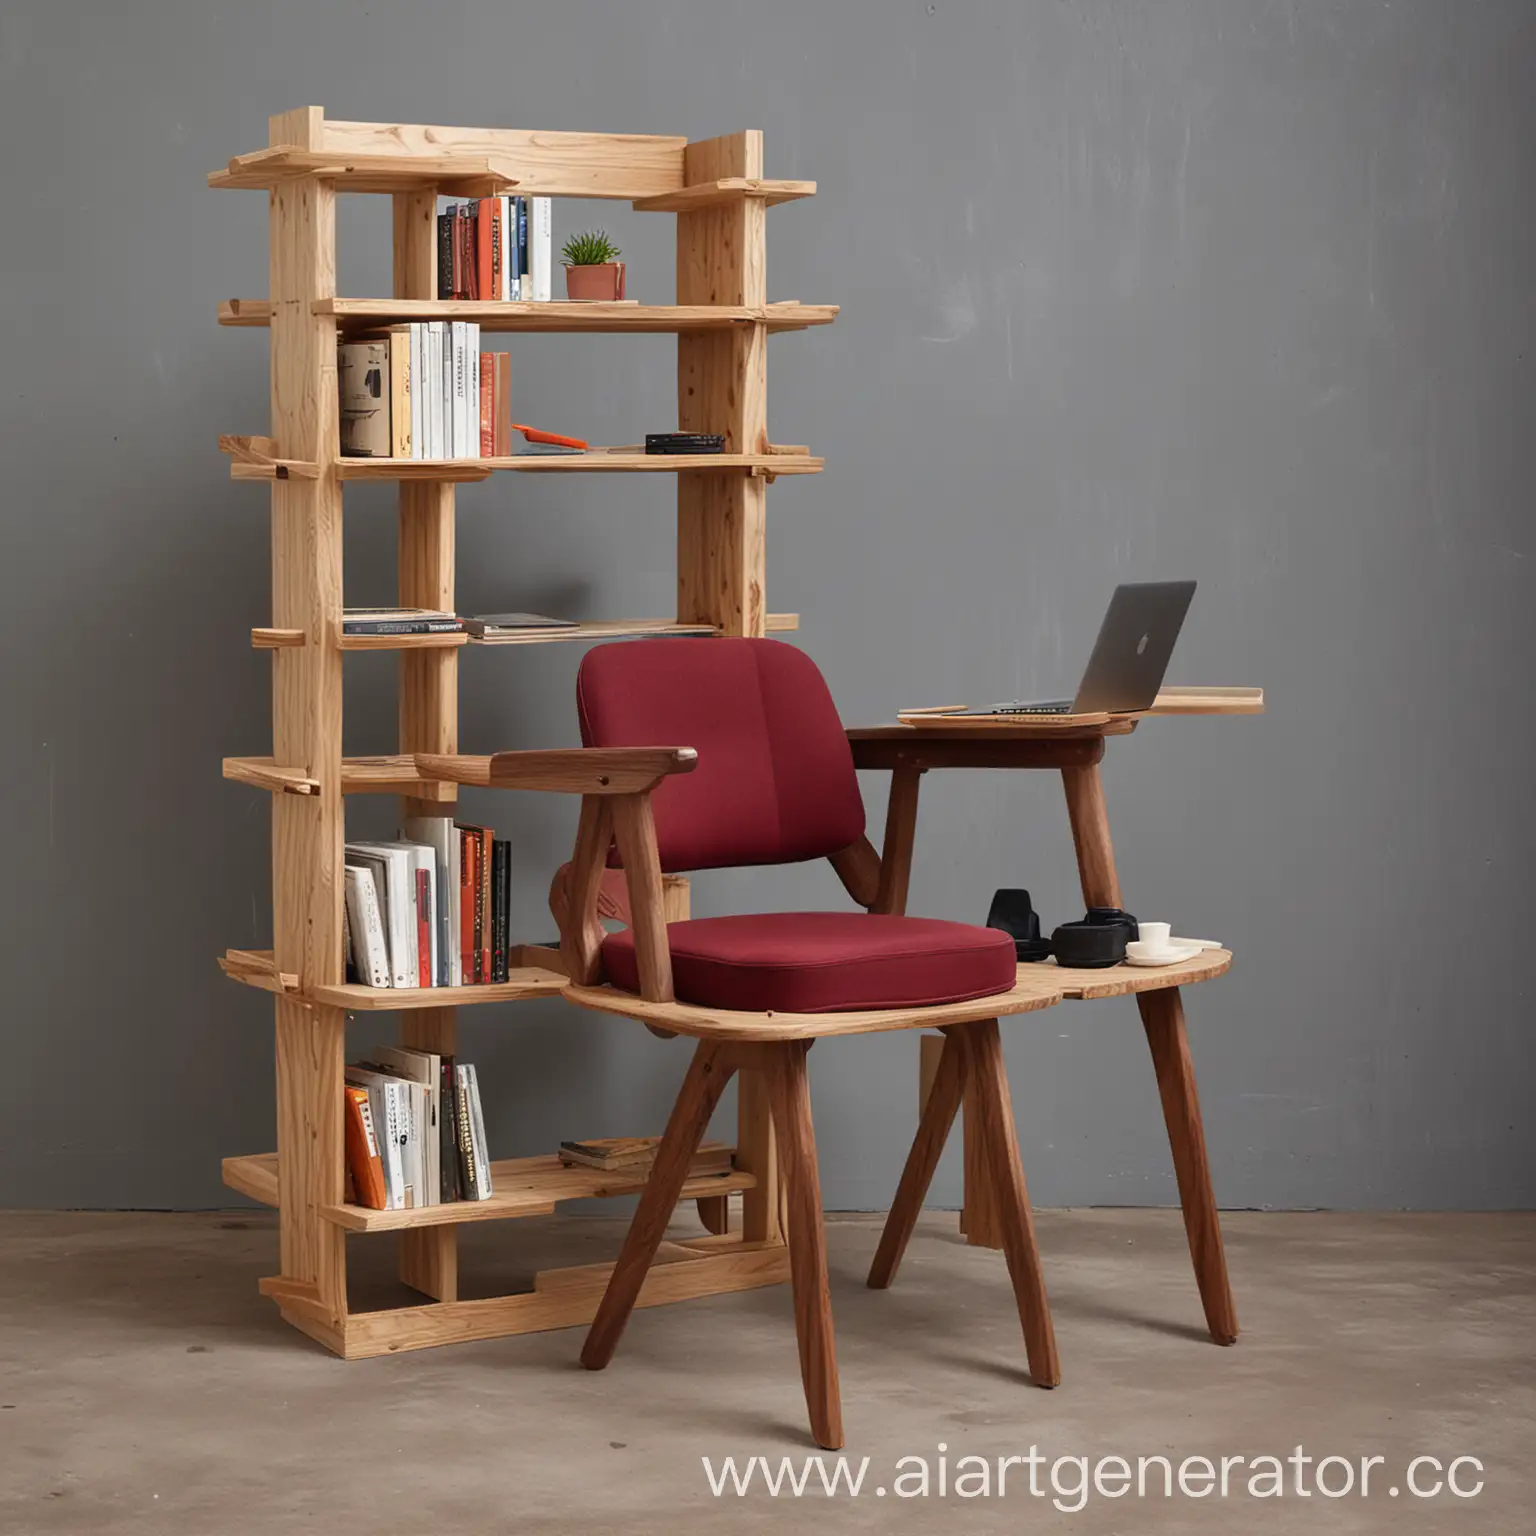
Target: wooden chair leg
(708, 1073)
(1162, 1015)
(933, 1129)
(994, 1115)
(790, 1100)
(715, 1213)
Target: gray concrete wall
(1236, 290)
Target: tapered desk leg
(1162, 1015)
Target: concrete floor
(145, 1387)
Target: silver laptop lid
(1135, 642)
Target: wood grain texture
(1123, 980)
(708, 1073)
(726, 192)
(1090, 836)
(980, 1222)
(552, 1304)
(581, 933)
(311, 1047)
(634, 830)
(550, 164)
(900, 837)
(1033, 991)
(789, 1097)
(528, 1186)
(620, 629)
(993, 1115)
(937, 1109)
(564, 770)
(858, 867)
(740, 470)
(1162, 1016)
(722, 387)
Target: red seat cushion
(823, 962)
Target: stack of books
(400, 621)
(415, 1133)
(424, 390)
(637, 1155)
(428, 909)
(495, 248)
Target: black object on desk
(1013, 913)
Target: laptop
(1129, 658)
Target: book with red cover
(485, 247)
(467, 245)
(485, 901)
(424, 927)
(469, 884)
(488, 404)
(363, 1161)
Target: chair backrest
(775, 782)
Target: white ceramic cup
(1154, 936)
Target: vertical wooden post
(722, 386)
(429, 695)
(306, 724)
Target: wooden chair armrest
(569, 770)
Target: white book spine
(540, 246)
(370, 954)
(394, 1158)
(473, 444)
(477, 1133)
(416, 378)
(506, 248)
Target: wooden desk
(1074, 748)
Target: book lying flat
(636, 1154)
(399, 621)
(498, 623)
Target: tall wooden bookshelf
(722, 320)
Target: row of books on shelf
(438, 621)
(415, 1131)
(428, 909)
(424, 390)
(495, 248)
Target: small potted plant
(592, 267)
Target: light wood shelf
(722, 319)
(455, 175)
(256, 968)
(555, 315)
(522, 1186)
(727, 189)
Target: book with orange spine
(469, 886)
(363, 1160)
(487, 405)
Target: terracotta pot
(595, 283)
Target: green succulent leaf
(592, 249)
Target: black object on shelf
(1097, 942)
(684, 442)
(1013, 913)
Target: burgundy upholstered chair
(707, 753)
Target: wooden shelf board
(263, 773)
(556, 315)
(1121, 980)
(525, 1186)
(446, 640)
(729, 189)
(597, 460)
(620, 629)
(277, 639)
(254, 967)
(455, 175)
(255, 1176)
